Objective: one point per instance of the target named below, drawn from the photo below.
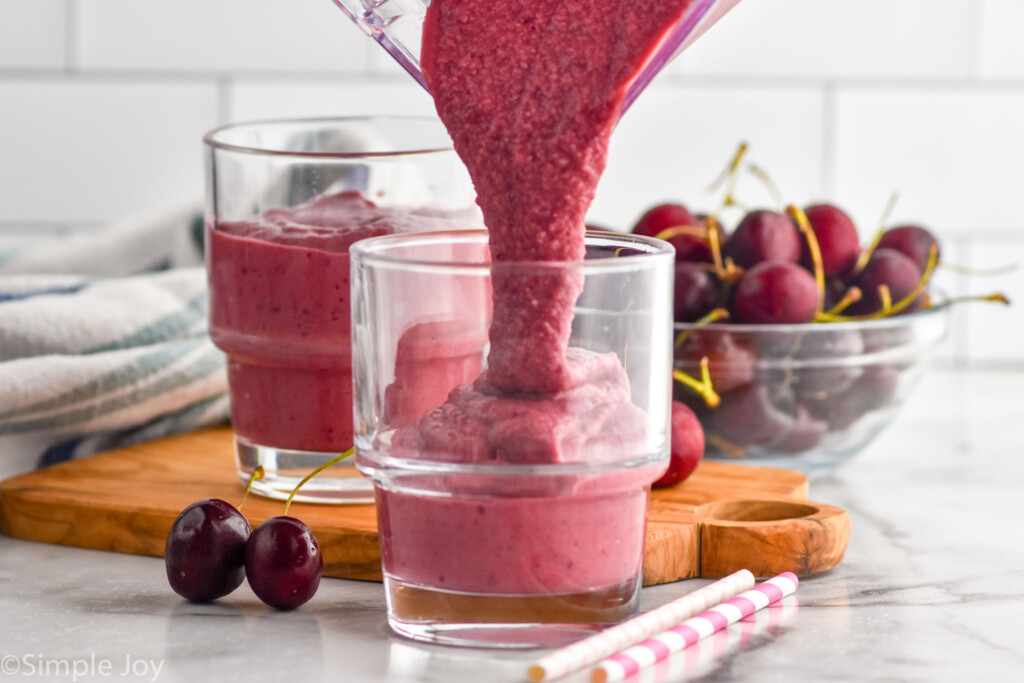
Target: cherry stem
(815, 249)
(888, 308)
(964, 270)
(715, 244)
(886, 296)
(692, 230)
(333, 461)
(889, 207)
(726, 270)
(766, 179)
(728, 447)
(712, 316)
(702, 386)
(865, 255)
(852, 296)
(257, 473)
(730, 176)
(997, 298)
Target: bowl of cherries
(795, 345)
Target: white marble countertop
(931, 588)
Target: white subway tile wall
(830, 39)
(103, 103)
(261, 98)
(953, 154)
(1001, 52)
(222, 37)
(84, 150)
(32, 34)
(677, 138)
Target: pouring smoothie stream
(530, 93)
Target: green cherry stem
(712, 316)
(997, 298)
(333, 461)
(702, 386)
(728, 447)
(865, 255)
(730, 177)
(852, 296)
(692, 230)
(886, 298)
(727, 271)
(715, 244)
(814, 248)
(889, 308)
(729, 171)
(257, 473)
(767, 181)
(984, 272)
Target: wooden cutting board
(723, 518)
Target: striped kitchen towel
(93, 358)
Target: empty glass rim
(379, 252)
(213, 137)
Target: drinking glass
(286, 199)
(509, 519)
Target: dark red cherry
(205, 550)
(806, 432)
(837, 239)
(835, 288)
(775, 292)
(687, 446)
(912, 241)
(690, 248)
(820, 368)
(697, 291)
(283, 563)
(730, 359)
(752, 416)
(763, 236)
(875, 389)
(893, 269)
(662, 217)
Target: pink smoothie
(279, 307)
(530, 93)
(522, 535)
(433, 358)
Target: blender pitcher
(398, 26)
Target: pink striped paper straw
(626, 663)
(701, 658)
(599, 645)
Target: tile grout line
(314, 77)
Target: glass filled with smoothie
(512, 424)
(285, 202)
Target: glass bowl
(804, 397)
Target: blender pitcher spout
(397, 25)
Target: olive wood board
(723, 518)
